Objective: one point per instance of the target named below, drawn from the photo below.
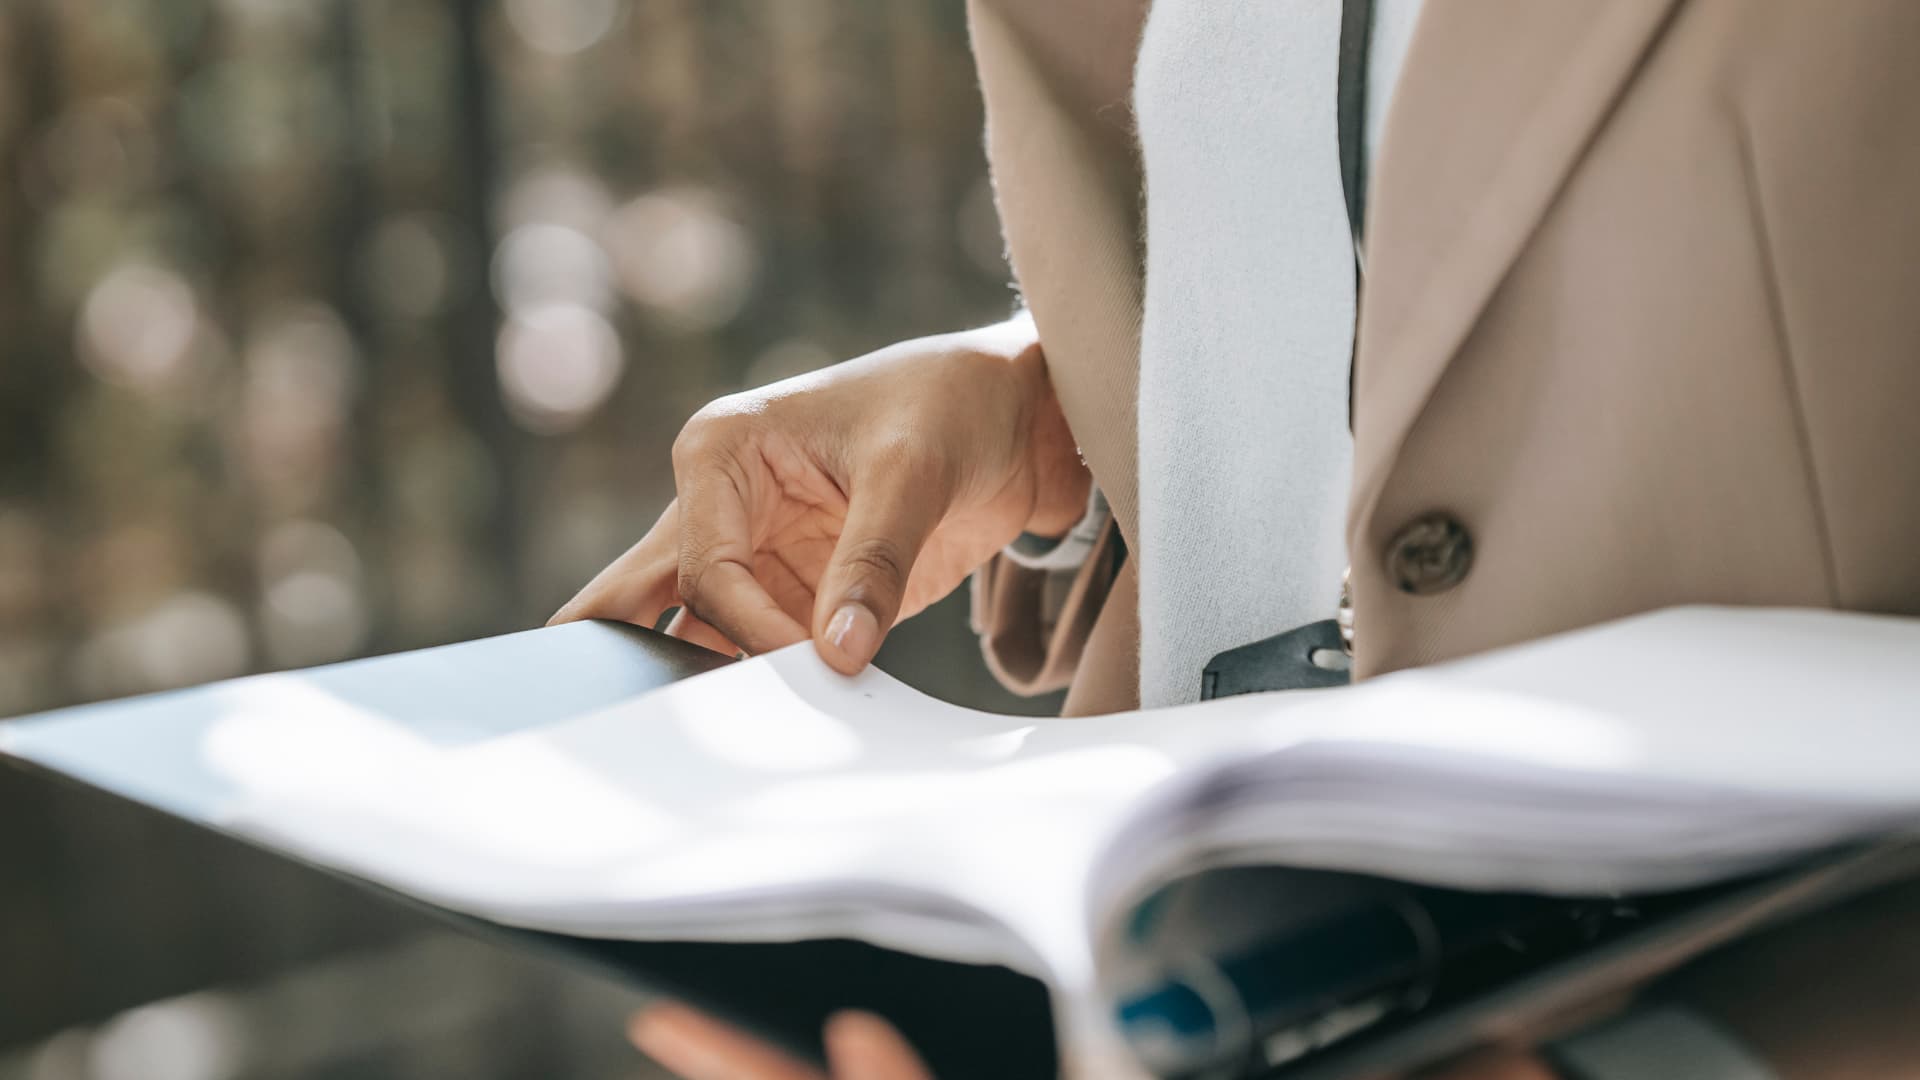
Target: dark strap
(1356, 27)
(1304, 658)
(1350, 98)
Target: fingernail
(854, 633)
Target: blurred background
(339, 327)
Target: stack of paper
(773, 799)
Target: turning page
(773, 799)
(770, 799)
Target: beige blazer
(1640, 327)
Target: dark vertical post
(475, 317)
(31, 375)
(353, 212)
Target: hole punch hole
(1330, 660)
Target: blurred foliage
(331, 327)
(336, 327)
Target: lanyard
(1350, 103)
(1356, 26)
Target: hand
(833, 505)
(860, 1046)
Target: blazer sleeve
(1057, 81)
(1034, 622)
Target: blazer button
(1430, 554)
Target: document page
(1655, 753)
(771, 799)
(774, 799)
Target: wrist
(1062, 482)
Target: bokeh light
(562, 27)
(543, 265)
(196, 1037)
(679, 254)
(558, 363)
(312, 609)
(554, 193)
(300, 372)
(137, 327)
(190, 637)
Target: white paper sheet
(774, 799)
(1658, 752)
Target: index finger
(638, 587)
(716, 579)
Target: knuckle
(691, 582)
(895, 449)
(696, 442)
(905, 458)
(715, 430)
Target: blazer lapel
(1495, 104)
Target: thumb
(861, 592)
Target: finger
(690, 627)
(638, 586)
(861, 1046)
(725, 594)
(714, 575)
(888, 521)
(791, 591)
(698, 1047)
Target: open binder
(548, 784)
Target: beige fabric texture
(1057, 78)
(1642, 308)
